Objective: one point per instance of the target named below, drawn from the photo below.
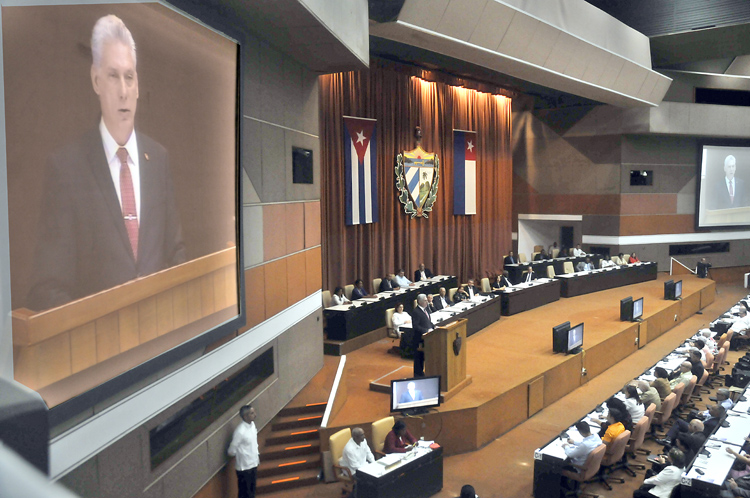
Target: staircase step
(303, 409)
(278, 483)
(292, 436)
(290, 449)
(296, 421)
(289, 465)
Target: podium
(65, 351)
(441, 357)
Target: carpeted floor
(504, 467)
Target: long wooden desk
(540, 267)
(524, 297)
(576, 284)
(349, 321)
(414, 477)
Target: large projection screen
(116, 268)
(723, 198)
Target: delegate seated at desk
(608, 263)
(422, 273)
(338, 298)
(661, 485)
(386, 284)
(399, 318)
(400, 279)
(471, 289)
(399, 440)
(502, 282)
(541, 256)
(356, 452)
(359, 290)
(460, 294)
(578, 252)
(528, 275)
(585, 265)
(510, 259)
(579, 452)
(441, 301)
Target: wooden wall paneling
(708, 295)
(128, 325)
(25, 362)
(274, 276)
(312, 224)
(195, 308)
(453, 442)
(502, 413)
(107, 337)
(296, 273)
(83, 346)
(562, 379)
(53, 359)
(536, 396)
(255, 296)
(313, 266)
(207, 295)
(147, 319)
(180, 306)
(642, 333)
(603, 355)
(294, 225)
(274, 238)
(689, 305)
(164, 313)
(663, 320)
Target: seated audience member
(716, 414)
(633, 259)
(422, 273)
(430, 305)
(633, 403)
(700, 345)
(528, 274)
(661, 383)
(400, 318)
(685, 443)
(385, 284)
(740, 467)
(649, 395)
(616, 404)
(502, 281)
(401, 280)
(359, 290)
(608, 263)
(741, 323)
(541, 255)
(578, 252)
(471, 289)
(586, 265)
(441, 301)
(693, 428)
(356, 452)
(578, 452)
(697, 368)
(510, 259)
(710, 342)
(723, 399)
(702, 268)
(467, 491)
(551, 250)
(622, 258)
(662, 484)
(615, 427)
(461, 294)
(683, 375)
(399, 440)
(338, 297)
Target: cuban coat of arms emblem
(417, 178)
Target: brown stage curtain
(466, 246)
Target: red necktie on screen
(731, 191)
(129, 214)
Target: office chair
(390, 331)
(376, 285)
(550, 271)
(380, 429)
(348, 291)
(568, 267)
(634, 444)
(326, 299)
(661, 417)
(486, 285)
(336, 443)
(589, 469)
(614, 454)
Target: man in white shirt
(578, 252)
(684, 375)
(578, 452)
(244, 447)
(401, 279)
(742, 323)
(607, 263)
(356, 452)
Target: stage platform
(514, 372)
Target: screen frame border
(120, 385)
(568, 349)
(400, 410)
(632, 313)
(717, 142)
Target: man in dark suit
(729, 192)
(411, 394)
(441, 301)
(472, 289)
(385, 284)
(421, 324)
(715, 416)
(109, 212)
(510, 259)
(422, 273)
(528, 274)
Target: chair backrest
(666, 408)
(555, 252)
(505, 256)
(639, 434)
(649, 415)
(348, 291)
(709, 361)
(568, 267)
(376, 285)
(380, 429)
(616, 260)
(389, 317)
(326, 299)
(625, 258)
(689, 389)
(336, 443)
(533, 255)
(616, 449)
(538, 249)
(678, 390)
(721, 342)
(550, 271)
(593, 462)
(729, 334)
(486, 285)
(522, 257)
(451, 293)
(719, 360)
(703, 380)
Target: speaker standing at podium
(729, 192)
(421, 324)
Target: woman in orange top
(634, 259)
(615, 428)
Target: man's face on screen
(115, 81)
(730, 167)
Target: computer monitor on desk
(575, 339)
(637, 310)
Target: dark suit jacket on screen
(721, 200)
(83, 246)
(417, 274)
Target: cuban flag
(360, 172)
(464, 172)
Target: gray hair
(723, 391)
(421, 299)
(110, 28)
(729, 159)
